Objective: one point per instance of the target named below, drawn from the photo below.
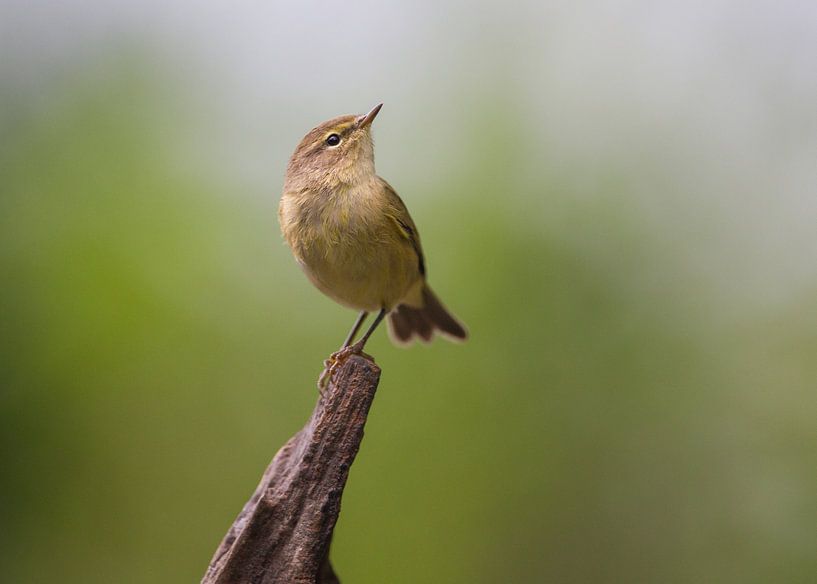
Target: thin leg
(358, 347)
(358, 323)
(338, 357)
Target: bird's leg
(357, 348)
(337, 358)
(329, 363)
(356, 327)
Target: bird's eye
(333, 140)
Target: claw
(335, 360)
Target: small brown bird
(354, 237)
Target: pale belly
(363, 272)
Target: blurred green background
(619, 199)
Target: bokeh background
(619, 198)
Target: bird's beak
(364, 121)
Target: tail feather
(405, 321)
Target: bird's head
(338, 152)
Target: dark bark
(283, 533)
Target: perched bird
(354, 237)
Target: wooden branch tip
(282, 534)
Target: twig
(283, 533)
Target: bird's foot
(335, 360)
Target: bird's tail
(406, 322)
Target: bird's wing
(396, 211)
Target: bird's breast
(349, 248)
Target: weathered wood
(283, 533)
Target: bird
(355, 240)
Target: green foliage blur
(159, 344)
